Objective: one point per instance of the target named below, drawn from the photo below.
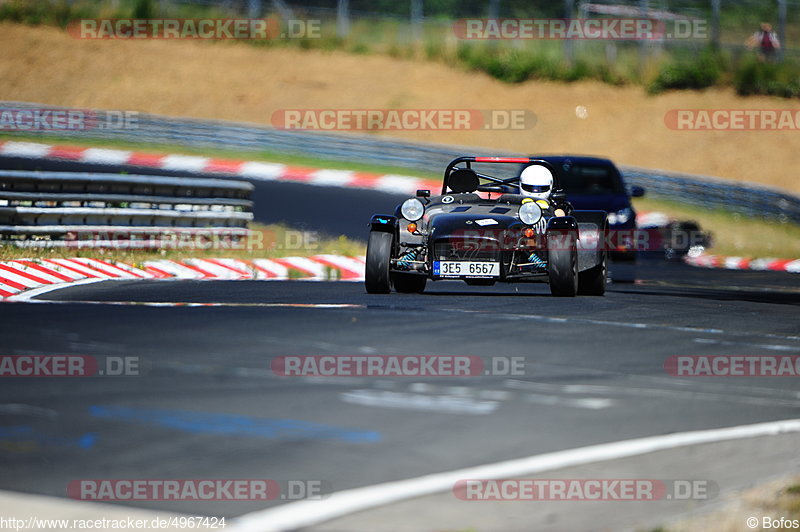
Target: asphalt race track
(206, 403)
(593, 373)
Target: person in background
(767, 42)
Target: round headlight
(412, 209)
(530, 213)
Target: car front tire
(562, 265)
(379, 255)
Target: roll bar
(514, 160)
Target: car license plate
(464, 268)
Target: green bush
(515, 66)
(56, 12)
(510, 66)
(434, 50)
(774, 79)
(698, 72)
(143, 9)
(359, 48)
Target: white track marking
(770, 347)
(494, 395)
(446, 404)
(623, 324)
(307, 513)
(29, 294)
(766, 396)
(590, 403)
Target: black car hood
(447, 224)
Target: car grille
(467, 249)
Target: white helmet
(536, 181)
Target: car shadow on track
(716, 294)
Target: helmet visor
(535, 189)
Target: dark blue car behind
(593, 183)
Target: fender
(562, 224)
(592, 252)
(383, 222)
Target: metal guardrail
(712, 193)
(72, 206)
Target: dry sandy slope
(238, 82)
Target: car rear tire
(409, 283)
(562, 265)
(592, 282)
(379, 255)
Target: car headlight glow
(619, 217)
(412, 209)
(530, 213)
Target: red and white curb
(744, 263)
(21, 276)
(392, 183)
(652, 219)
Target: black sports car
(481, 230)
